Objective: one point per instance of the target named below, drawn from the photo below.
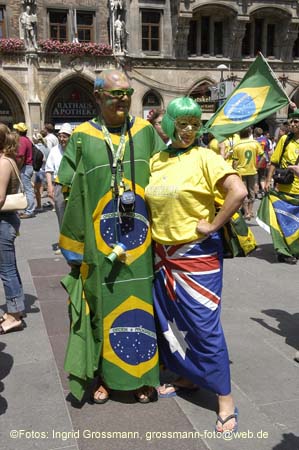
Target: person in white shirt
(51, 169)
(51, 139)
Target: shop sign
(74, 109)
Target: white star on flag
(176, 339)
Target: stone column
(198, 37)
(33, 79)
(236, 38)
(287, 40)
(181, 37)
(264, 37)
(211, 37)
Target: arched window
(73, 101)
(264, 32)
(151, 100)
(210, 30)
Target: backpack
(37, 158)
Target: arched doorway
(201, 93)
(73, 101)
(10, 108)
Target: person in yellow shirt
(245, 155)
(216, 146)
(229, 143)
(184, 182)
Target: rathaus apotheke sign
(73, 109)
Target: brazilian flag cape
(278, 214)
(112, 330)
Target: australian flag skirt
(187, 298)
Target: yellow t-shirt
(245, 152)
(214, 145)
(290, 156)
(229, 142)
(181, 191)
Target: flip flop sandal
(146, 395)
(226, 419)
(4, 317)
(18, 327)
(172, 393)
(102, 390)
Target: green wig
(181, 106)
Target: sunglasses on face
(294, 121)
(118, 93)
(184, 125)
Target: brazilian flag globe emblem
(258, 95)
(131, 347)
(246, 104)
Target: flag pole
(275, 77)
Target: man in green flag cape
(105, 237)
(258, 95)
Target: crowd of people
(17, 169)
(40, 181)
(148, 193)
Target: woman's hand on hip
(204, 227)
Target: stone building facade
(51, 52)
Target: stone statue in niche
(28, 22)
(118, 26)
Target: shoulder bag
(15, 202)
(284, 176)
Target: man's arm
(274, 162)
(270, 173)
(294, 169)
(50, 187)
(49, 169)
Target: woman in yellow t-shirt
(188, 255)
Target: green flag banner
(257, 96)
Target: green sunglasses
(118, 93)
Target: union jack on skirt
(187, 298)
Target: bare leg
(226, 408)
(37, 190)
(250, 209)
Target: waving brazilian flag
(258, 95)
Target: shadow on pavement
(6, 363)
(265, 252)
(200, 397)
(287, 326)
(30, 307)
(289, 442)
